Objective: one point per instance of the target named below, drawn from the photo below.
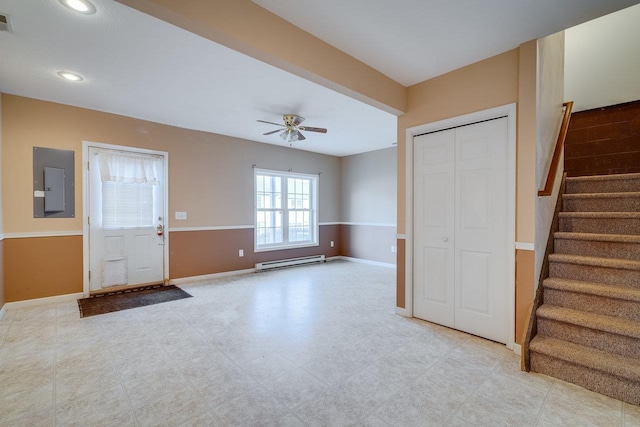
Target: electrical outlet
(332, 243)
(181, 215)
(393, 249)
(241, 252)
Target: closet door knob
(445, 239)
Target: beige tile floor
(316, 345)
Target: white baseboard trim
(197, 280)
(3, 310)
(366, 261)
(402, 312)
(41, 301)
(517, 349)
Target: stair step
(609, 271)
(598, 331)
(593, 261)
(623, 246)
(600, 222)
(596, 370)
(608, 300)
(601, 202)
(603, 183)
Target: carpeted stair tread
(612, 325)
(616, 215)
(623, 264)
(618, 238)
(615, 177)
(597, 289)
(627, 194)
(603, 361)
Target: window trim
(314, 201)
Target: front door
(460, 212)
(126, 218)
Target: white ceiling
(139, 66)
(415, 40)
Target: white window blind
(127, 205)
(128, 181)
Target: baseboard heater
(269, 265)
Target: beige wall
(2, 297)
(526, 159)
(485, 84)
(210, 176)
(496, 81)
(248, 28)
(524, 292)
(550, 96)
(42, 267)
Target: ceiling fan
(291, 128)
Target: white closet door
(480, 229)
(434, 227)
(460, 228)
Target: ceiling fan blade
(272, 132)
(301, 136)
(312, 129)
(271, 123)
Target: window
(127, 205)
(130, 184)
(286, 210)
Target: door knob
(445, 239)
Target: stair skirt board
(594, 380)
(269, 265)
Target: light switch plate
(181, 215)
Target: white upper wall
(602, 60)
(550, 91)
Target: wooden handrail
(553, 168)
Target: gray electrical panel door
(53, 183)
(53, 189)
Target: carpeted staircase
(588, 327)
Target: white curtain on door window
(129, 168)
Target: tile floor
(316, 345)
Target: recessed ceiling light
(82, 6)
(68, 75)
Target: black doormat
(109, 302)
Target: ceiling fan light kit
(291, 128)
